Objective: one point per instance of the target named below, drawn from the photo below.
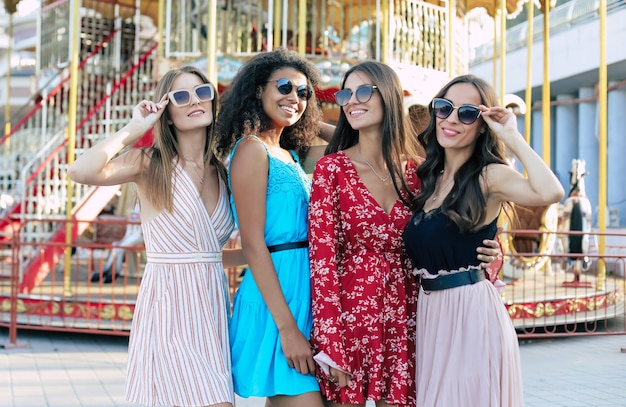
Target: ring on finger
(332, 379)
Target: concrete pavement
(66, 370)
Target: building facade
(574, 57)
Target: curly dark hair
(466, 202)
(241, 111)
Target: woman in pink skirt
(467, 350)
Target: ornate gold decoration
(567, 306)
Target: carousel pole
(279, 11)
(71, 138)
(160, 25)
(529, 67)
(277, 21)
(495, 42)
(270, 25)
(11, 7)
(545, 91)
(602, 151)
(7, 106)
(302, 28)
(383, 11)
(211, 43)
(502, 49)
(450, 41)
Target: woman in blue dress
(268, 119)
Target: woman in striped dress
(179, 351)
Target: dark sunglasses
(363, 94)
(443, 109)
(285, 87)
(182, 97)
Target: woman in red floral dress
(363, 291)
(364, 298)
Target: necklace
(195, 170)
(437, 190)
(358, 150)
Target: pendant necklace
(358, 150)
(437, 190)
(195, 170)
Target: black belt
(445, 281)
(280, 247)
(288, 246)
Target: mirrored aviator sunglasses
(285, 87)
(443, 108)
(182, 97)
(363, 94)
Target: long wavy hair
(466, 202)
(241, 111)
(397, 143)
(165, 150)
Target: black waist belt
(446, 281)
(288, 246)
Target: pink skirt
(467, 349)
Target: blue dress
(259, 366)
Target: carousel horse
(529, 238)
(576, 217)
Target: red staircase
(115, 74)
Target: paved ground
(67, 370)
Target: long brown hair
(165, 149)
(466, 202)
(396, 141)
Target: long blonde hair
(165, 148)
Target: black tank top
(435, 243)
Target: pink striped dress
(178, 352)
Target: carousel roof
(150, 7)
(513, 7)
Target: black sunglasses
(182, 97)
(443, 108)
(363, 94)
(285, 87)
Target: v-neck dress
(178, 352)
(364, 295)
(259, 365)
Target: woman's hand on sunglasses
(145, 115)
(502, 122)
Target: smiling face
(451, 133)
(284, 110)
(363, 115)
(196, 114)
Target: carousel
(72, 257)
(556, 276)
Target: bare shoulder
(250, 159)
(248, 148)
(495, 173)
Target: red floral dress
(364, 294)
